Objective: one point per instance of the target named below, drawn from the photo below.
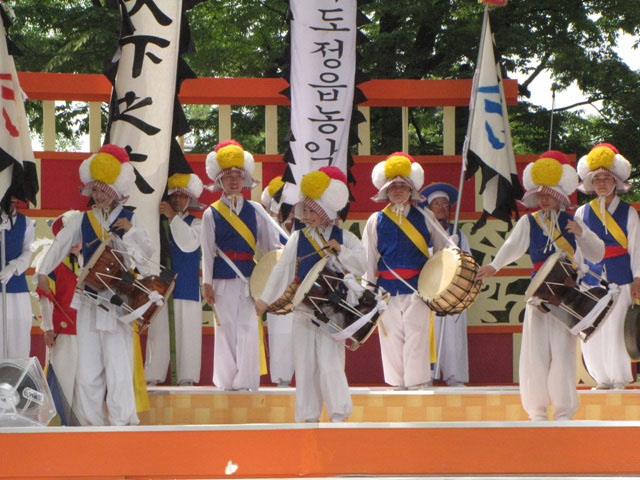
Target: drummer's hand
(208, 295)
(167, 210)
(261, 307)
(574, 227)
(50, 338)
(485, 272)
(122, 223)
(635, 288)
(334, 245)
(43, 283)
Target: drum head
(631, 332)
(261, 272)
(91, 263)
(438, 273)
(308, 281)
(542, 274)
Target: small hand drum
(447, 282)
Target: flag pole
(5, 328)
(472, 109)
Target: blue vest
(187, 266)
(538, 239)
(90, 241)
(305, 248)
(15, 239)
(399, 252)
(618, 267)
(229, 240)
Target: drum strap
(236, 222)
(408, 229)
(609, 222)
(101, 233)
(558, 239)
(319, 250)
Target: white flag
(323, 68)
(18, 175)
(488, 143)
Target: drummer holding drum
(105, 341)
(548, 352)
(319, 358)
(604, 172)
(396, 242)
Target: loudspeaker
(25, 399)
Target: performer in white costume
(280, 327)
(453, 356)
(19, 232)
(232, 229)
(105, 343)
(59, 323)
(319, 359)
(604, 172)
(548, 352)
(396, 242)
(184, 250)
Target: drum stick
(215, 315)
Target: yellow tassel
(263, 356)
(433, 358)
(139, 383)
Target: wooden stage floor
(200, 432)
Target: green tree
(573, 39)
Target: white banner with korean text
(322, 79)
(145, 94)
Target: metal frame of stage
(322, 450)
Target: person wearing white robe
(105, 334)
(450, 331)
(236, 362)
(319, 359)
(19, 232)
(604, 172)
(184, 250)
(548, 351)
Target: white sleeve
(46, 309)
(590, 246)
(515, 246)
(370, 243)
(352, 254)
(268, 237)
(633, 241)
(187, 237)
(137, 238)
(464, 242)
(21, 263)
(208, 245)
(62, 243)
(283, 273)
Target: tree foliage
(573, 39)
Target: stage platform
(201, 432)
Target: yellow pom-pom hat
(109, 170)
(397, 167)
(272, 195)
(551, 173)
(188, 184)
(604, 158)
(230, 156)
(325, 191)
